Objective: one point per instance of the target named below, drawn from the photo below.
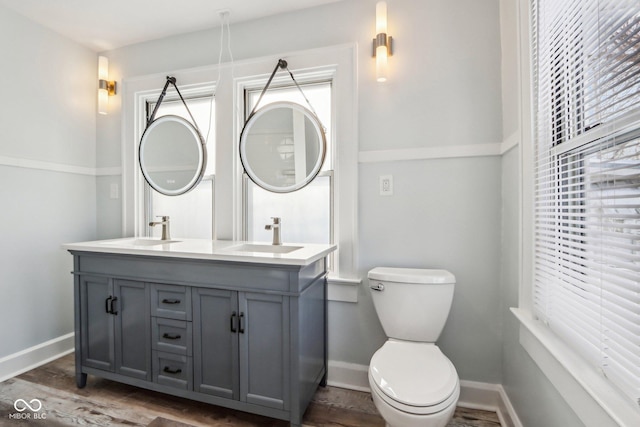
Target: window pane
(191, 213)
(305, 213)
(203, 110)
(319, 96)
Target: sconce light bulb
(382, 42)
(103, 68)
(381, 63)
(381, 17)
(103, 100)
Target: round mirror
(172, 155)
(282, 147)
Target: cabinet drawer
(173, 370)
(173, 336)
(171, 301)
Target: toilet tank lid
(412, 275)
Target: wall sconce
(382, 43)
(106, 88)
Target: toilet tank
(412, 304)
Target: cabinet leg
(81, 380)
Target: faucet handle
(276, 220)
(164, 217)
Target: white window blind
(586, 56)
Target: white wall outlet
(386, 185)
(115, 191)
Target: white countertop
(215, 250)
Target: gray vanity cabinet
(264, 349)
(241, 346)
(215, 344)
(116, 320)
(246, 336)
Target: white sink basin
(273, 249)
(143, 242)
(152, 242)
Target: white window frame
(594, 400)
(147, 191)
(339, 61)
(309, 67)
(286, 82)
(137, 93)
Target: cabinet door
(96, 323)
(264, 350)
(215, 342)
(132, 317)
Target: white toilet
(413, 384)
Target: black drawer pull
(168, 370)
(233, 322)
(170, 301)
(241, 328)
(107, 304)
(111, 309)
(171, 336)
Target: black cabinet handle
(168, 370)
(111, 309)
(233, 322)
(170, 301)
(241, 323)
(107, 304)
(171, 336)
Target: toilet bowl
(413, 384)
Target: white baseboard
(30, 358)
(474, 395)
(348, 375)
(488, 397)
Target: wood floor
(107, 403)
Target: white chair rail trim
(58, 167)
(440, 152)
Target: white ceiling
(109, 24)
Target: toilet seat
(413, 377)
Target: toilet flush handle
(377, 287)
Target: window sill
(343, 290)
(596, 402)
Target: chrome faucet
(166, 234)
(276, 230)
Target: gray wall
(443, 214)
(47, 114)
(443, 90)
